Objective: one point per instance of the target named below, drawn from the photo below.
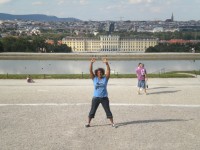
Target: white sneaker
(114, 126)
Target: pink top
(140, 72)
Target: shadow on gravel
(163, 92)
(149, 121)
(149, 88)
(100, 125)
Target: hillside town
(7, 27)
(95, 29)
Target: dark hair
(99, 69)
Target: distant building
(95, 33)
(177, 41)
(111, 27)
(109, 44)
(170, 20)
(52, 42)
(158, 29)
(172, 17)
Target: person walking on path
(142, 78)
(100, 81)
(138, 72)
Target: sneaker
(87, 126)
(114, 126)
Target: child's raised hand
(93, 60)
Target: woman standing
(100, 81)
(142, 78)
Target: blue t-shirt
(100, 87)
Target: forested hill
(35, 17)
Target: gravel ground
(50, 115)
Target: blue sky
(100, 10)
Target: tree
(62, 49)
(12, 44)
(39, 44)
(23, 45)
(1, 47)
(8, 44)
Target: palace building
(108, 44)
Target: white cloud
(156, 9)
(72, 2)
(37, 3)
(115, 7)
(140, 1)
(169, 2)
(4, 1)
(60, 2)
(83, 2)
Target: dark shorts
(95, 104)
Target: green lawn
(182, 74)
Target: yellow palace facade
(108, 44)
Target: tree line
(37, 43)
(185, 35)
(165, 47)
(34, 44)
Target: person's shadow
(152, 88)
(163, 92)
(149, 121)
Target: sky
(102, 10)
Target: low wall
(110, 56)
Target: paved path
(50, 114)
